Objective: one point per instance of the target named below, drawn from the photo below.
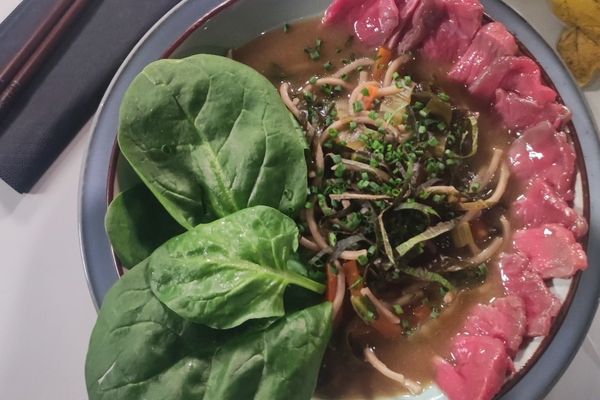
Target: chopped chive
(333, 133)
(328, 66)
(353, 125)
(357, 106)
(332, 238)
(308, 96)
(365, 92)
(373, 115)
(362, 260)
(313, 80)
(313, 53)
(357, 282)
(443, 96)
(398, 309)
(286, 27)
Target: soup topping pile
(392, 214)
(485, 58)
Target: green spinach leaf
(231, 270)
(140, 349)
(136, 224)
(210, 136)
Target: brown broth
(280, 56)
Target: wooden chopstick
(33, 54)
(32, 43)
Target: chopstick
(36, 50)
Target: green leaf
(428, 234)
(229, 271)
(137, 224)
(141, 350)
(210, 136)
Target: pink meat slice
(519, 112)
(373, 21)
(521, 75)
(424, 19)
(552, 251)
(540, 204)
(456, 29)
(542, 153)
(481, 364)
(491, 41)
(540, 305)
(504, 319)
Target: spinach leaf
(210, 136)
(140, 349)
(230, 271)
(137, 224)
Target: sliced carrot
(368, 100)
(331, 284)
(386, 328)
(384, 56)
(353, 277)
(422, 313)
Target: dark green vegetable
(210, 136)
(428, 234)
(140, 349)
(230, 271)
(137, 224)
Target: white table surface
(46, 313)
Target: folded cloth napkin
(66, 91)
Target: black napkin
(66, 91)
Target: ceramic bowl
(212, 26)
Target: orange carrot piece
(331, 284)
(384, 56)
(386, 328)
(368, 100)
(353, 277)
(422, 313)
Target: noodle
(283, 91)
(361, 62)
(397, 63)
(372, 359)
(495, 197)
(358, 166)
(483, 179)
(389, 90)
(309, 244)
(340, 290)
(380, 306)
(351, 255)
(314, 229)
(333, 81)
(358, 196)
(362, 76)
